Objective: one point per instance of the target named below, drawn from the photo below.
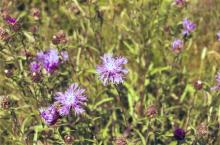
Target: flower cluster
(72, 99)
(112, 69)
(49, 60)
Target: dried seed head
(68, 139)
(202, 129)
(4, 102)
(151, 111)
(120, 141)
(198, 85)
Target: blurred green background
(140, 30)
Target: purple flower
(35, 67)
(49, 59)
(11, 21)
(180, 2)
(218, 36)
(112, 69)
(50, 115)
(177, 46)
(64, 55)
(217, 86)
(188, 27)
(179, 134)
(72, 98)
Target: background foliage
(140, 30)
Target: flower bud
(68, 139)
(151, 111)
(198, 85)
(4, 102)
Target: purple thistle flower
(188, 27)
(177, 46)
(35, 67)
(49, 59)
(64, 55)
(217, 86)
(50, 115)
(179, 134)
(112, 70)
(180, 2)
(11, 21)
(72, 98)
(218, 36)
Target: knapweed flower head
(112, 69)
(35, 67)
(11, 20)
(4, 102)
(180, 2)
(217, 86)
(202, 130)
(50, 115)
(151, 111)
(188, 27)
(179, 134)
(218, 36)
(49, 60)
(72, 99)
(177, 46)
(4, 34)
(59, 38)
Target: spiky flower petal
(50, 115)
(72, 98)
(112, 69)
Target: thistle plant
(109, 72)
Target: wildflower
(121, 141)
(217, 86)
(177, 46)
(4, 102)
(49, 60)
(198, 85)
(68, 139)
(72, 98)
(112, 70)
(179, 134)
(50, 115)
(13, 22)
(218, 36)
(36, 13)
(151, 111)
(180, 2)
(59, 38)
(35, 67)
(202, 129)
(188, 27)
